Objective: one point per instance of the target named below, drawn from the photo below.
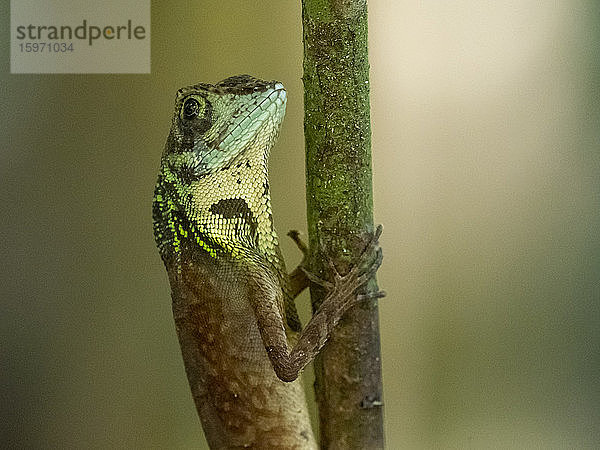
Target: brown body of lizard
(232, 297)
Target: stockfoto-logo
(81, 32)
(112, 36)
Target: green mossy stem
(340, 210)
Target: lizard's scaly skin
(213, 227)
(232, 297)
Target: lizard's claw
(316, 279)
(333, 269)
(370, 296)
(295, 235)
(372, 240)
(370, 271)
(358, 275)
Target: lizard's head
(212, 188)
(213, 125)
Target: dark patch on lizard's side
(232, 208)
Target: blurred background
(486, 147)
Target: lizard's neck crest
(212, 194)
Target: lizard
(232, 298)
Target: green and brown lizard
(233, 300)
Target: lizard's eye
(191, 108)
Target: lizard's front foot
(342, 292)
(344, 287)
